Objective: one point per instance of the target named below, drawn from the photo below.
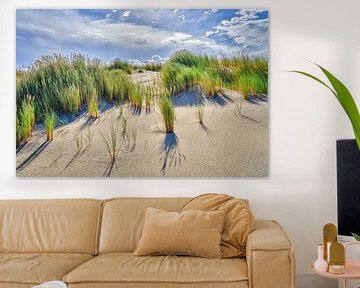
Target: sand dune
(228, 144)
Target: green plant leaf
(347, 102)
(316, 79)
(344, 97)
(356, 236)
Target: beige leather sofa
(89, 243)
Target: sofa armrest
(269, 256)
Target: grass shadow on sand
(20, 147)
(188, 98)
(87, 123)
(205, 128)
(135, 111)
(194, 98)
(220, 100)
(171, 154)
(251, 119)
(109, 168)
(33, 156)
(257, 99)
(76, 156)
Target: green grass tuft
(50, 120)
(93, 108)
(240, 72)
(167, 112)
(121, 65)
(200, 113)
(71, 100)
(26, 119)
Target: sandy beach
(227, 144)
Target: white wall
(305, 120)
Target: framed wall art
(142, 93)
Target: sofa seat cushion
(127, 268)
(36, 268)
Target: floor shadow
(171, 154)
(33, 156)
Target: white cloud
(52, 28)
(247, 30)
(135, 62)
(203, 45)
(155, 59)
(126, 13)
(210, 11)
(177, 37)
(209, 33)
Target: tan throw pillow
(238, 224)
(195, 233)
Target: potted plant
(346, 100)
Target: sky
(139, 35)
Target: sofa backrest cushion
(239, 220)
(123, 220)
(64, 226)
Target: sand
(226, 145)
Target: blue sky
(138, 35)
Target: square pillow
(193, 232)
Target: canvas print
(142, 93)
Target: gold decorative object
(336, 269)
(337, 254)
(330, 236)
(337, 258)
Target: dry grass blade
(112, 142)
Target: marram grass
(26, 119)
(167, 112)
(93, 108)
(245, 74)
(199, 112)
(50, 120)
(112, 142)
